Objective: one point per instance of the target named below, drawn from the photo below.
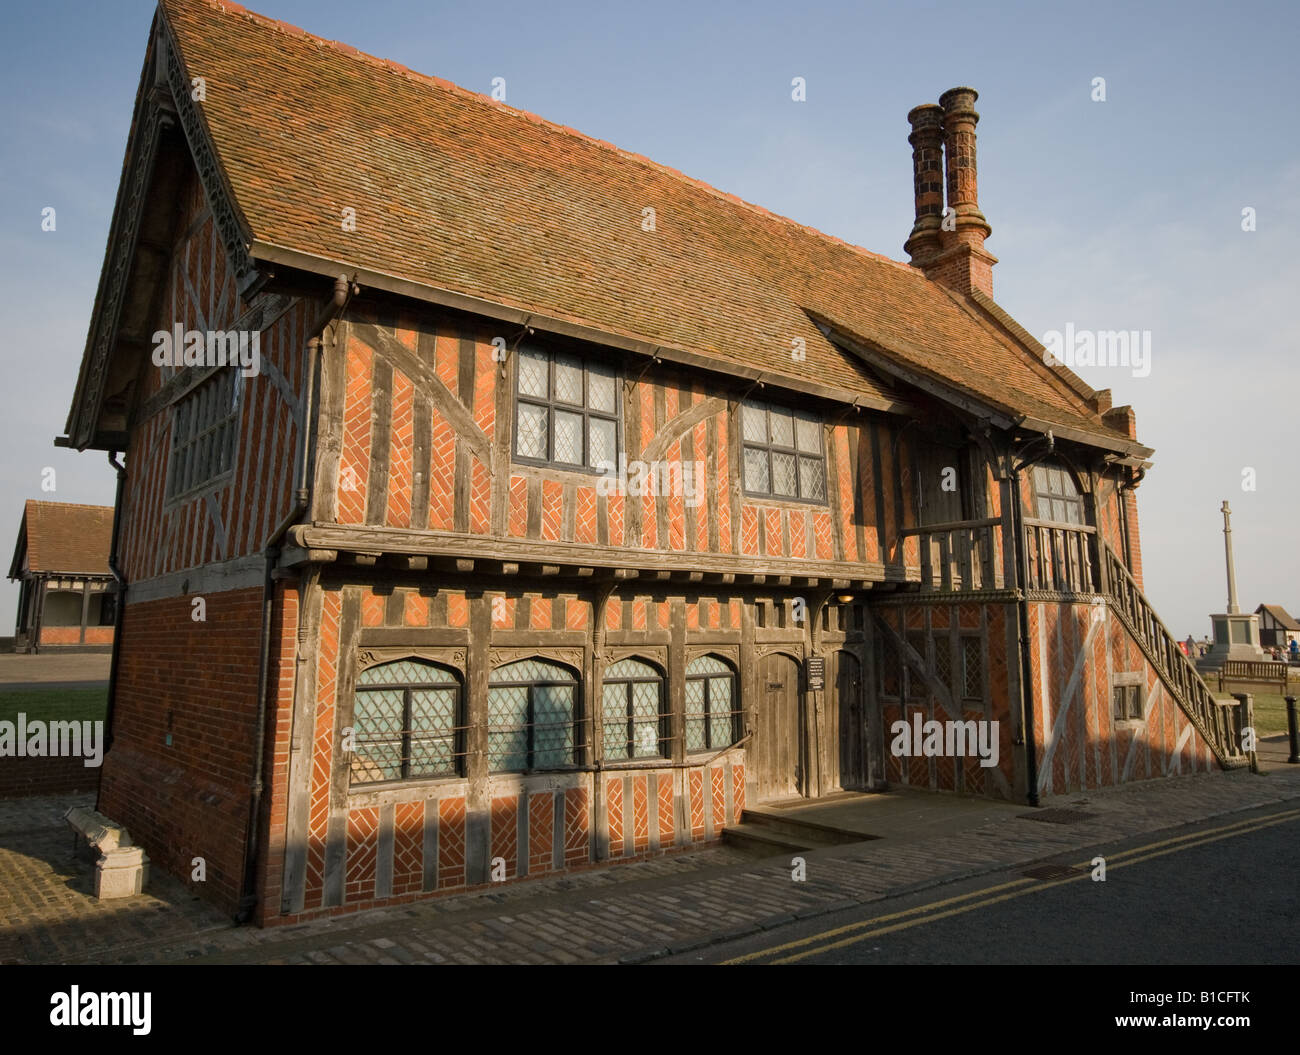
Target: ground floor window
(632, 715)
(407, 722)
(532, 706)
(712, 712)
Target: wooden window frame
(1041, 479)
(770, 448)
(575, 719)
(1132, 688)
(551, 404)
(194, 419)
(977, 641)
(706, 716)
(663, 742)
(457, 733)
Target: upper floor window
(407, 721)
(1056, 496)
(712, 713)
(942, 487)
(633, 724)
(204, 426)
(566, 411)
(532, 706)
(783, 456)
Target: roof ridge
(229, 6)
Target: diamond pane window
(712, 711)
(568, 380)
(407, 722)
(757, 477)
(566, 411)
(534, 374)
(972, 659)
(533, 425)
(600, 388)
(632, 713)
(782, 425)
(532, 708)
(783, 454)
(602, 442)
(784, 476)
(568, 437)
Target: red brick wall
(21, 777)
(197, 682)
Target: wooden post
(85, 608)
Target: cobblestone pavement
(626, 912)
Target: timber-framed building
(575, 505)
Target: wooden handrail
(1217, 721)
(1083, 529)
(951, 525)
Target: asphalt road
(1223, 892)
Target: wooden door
(780, 747)
(848, 718)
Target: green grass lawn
(1270, 712)
(81, 705)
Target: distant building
(61, 561)
(1277, 629)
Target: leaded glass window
(972, 658)
(632, 718)
(532, 709)
(406, 722)
(783, 455)
(891, 668)
(712, 708)
(566, 411)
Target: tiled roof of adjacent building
(456, 192)
(63, 538)
(1280, 616)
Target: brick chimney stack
(959, 259)
(927, 180)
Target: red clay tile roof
(1280, 615)
(455, 191)
(64, 537)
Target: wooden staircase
(1220, 722)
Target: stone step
(807, 833)
(757, 839)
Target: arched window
(407, 721)
(632, 711)
(531, 709)
(712, 712)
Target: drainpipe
(1022, 610)
(343, 291)
(120, 608)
